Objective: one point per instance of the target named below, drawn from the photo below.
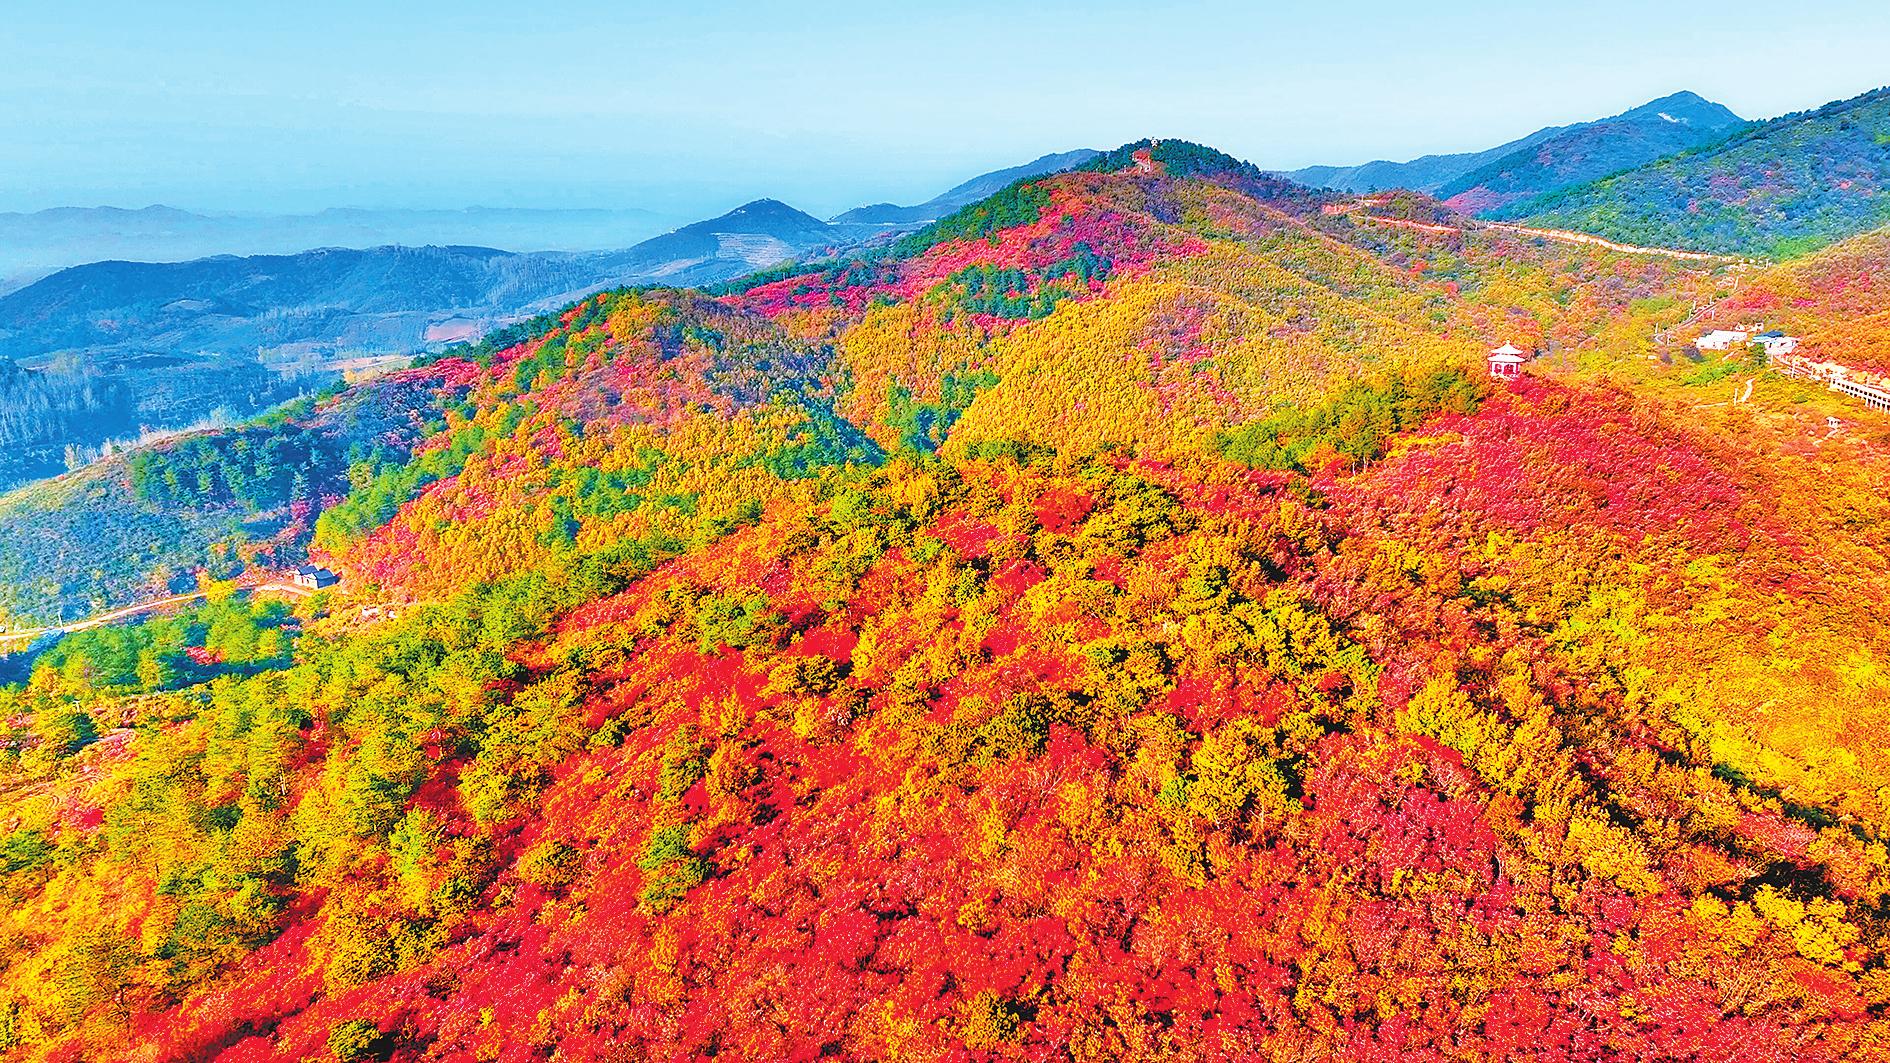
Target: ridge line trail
(1565, 236)
(1569, 237)
(129, 611)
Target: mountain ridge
(38, 243)
(1591, 151)
(1780, 187)
(1443, 173)
(889, 215)
(273, 326)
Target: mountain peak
(1681, 98)
(1180, 158)
(770, 216)
(1686, 107)
(766, 208)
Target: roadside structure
(1867, 386)
(314, 578)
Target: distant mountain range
(386, 299)
(1544, 160)
(34, 245)
(1776, 188)
(110, 350)
(336, 301)
(889, 215)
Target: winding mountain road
(1564, 236)
(27, 636)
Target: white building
(1777, 343)
(1506, 362)
(1871, 389)
(1721, 340)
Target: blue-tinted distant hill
(376, 299)
(1545, 159)
(36, 244)
(892, 216)
(382, 296)
(109, 350)
(750, 237)
(1777, 188)
(1585, 152)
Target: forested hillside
(1583, 153)
(225, 504)
(71, 410)
(1121, 620)
(101, 355)
(1837, 301)
(1777, 188)
(98, 356)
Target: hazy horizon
(202, 107)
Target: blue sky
(690, 108)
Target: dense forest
(1121, 621)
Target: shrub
(358, 1039)
(552, 865)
